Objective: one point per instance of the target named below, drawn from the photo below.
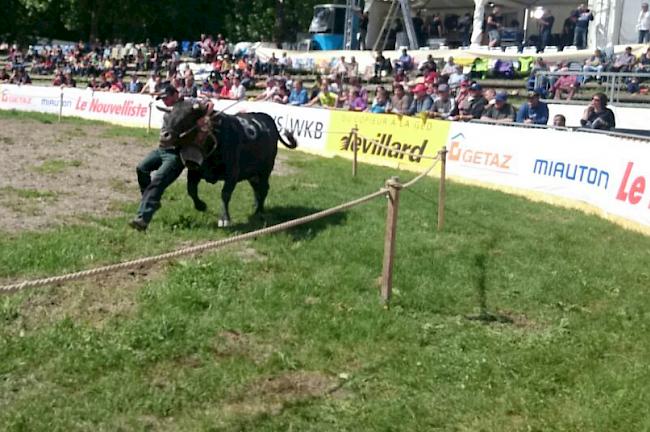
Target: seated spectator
(237, 91)
(380, 105)
(565, 84)
(68, 80)
(401, 101)
(20, 77)
(624, 62)
(353, 68)
(595, 63)
(135, 86)
(449, 68)
(501, 111)
(356, 84)
(404, 62)
(284, 63)
(538, 66)
(282, 96)
(354, 101)
(381, 65)
(463, 92)
(428, 65)
(456, 78)
(58, 79)
(4, 75)
(472, 107)
(269, 91)
(324, 98)
(559, 120)
(643, 65)
(597, 115)
(117, 85)
(189, 89)
(206, 89)
(93, 84)
(224, 93)
(534, 111)
(153, 84)
(422, 102)
(298, 96)
(340, 69)
(444, 105)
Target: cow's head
(180, 130)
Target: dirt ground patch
(55, 173)
(52, 174)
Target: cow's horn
(164, 109)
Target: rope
(423, 174)
(192, 249)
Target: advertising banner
(607, 172)
(33, 98)
(386, 139)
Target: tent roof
(457, 4)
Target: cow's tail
(291, 141)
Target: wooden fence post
(61, 106)
(442, 191)
(389, 242)
(149, 121)
(355, 149)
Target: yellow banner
(387, 139)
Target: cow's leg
(260, 187)
(193, 180)
(226, 194)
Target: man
(643, 24)
(582, 25)
(501, 111)
(421, 102)
(165, 161)
(624, 62)
(444, 105)
(569, 28)
(237, 91)
(493, 27)
(404, 62)
(545, 27)
(298, 96)
(472, 107)
(135, 86)
(534, 111)
(401, 101)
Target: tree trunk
(278, 33)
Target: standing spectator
(534, 111)
(582, 25)
(501, 111)
(152, 85)
(363, 30)
(298, 96)
(569, 28)
(443, 106)
(597, 115)
(545, 28)
(401, 101)
(422, 102)
(493, 26)
(643, 24)
(284, 63)
(465, 28)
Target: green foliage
(249, 20)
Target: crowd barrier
(605, 172)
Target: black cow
(245, 149)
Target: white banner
(604, 171)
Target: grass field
(517, 317)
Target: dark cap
(501, 97)
(476, 87)
(167, 90)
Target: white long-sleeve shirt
(644, 21)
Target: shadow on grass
(277, 215)
(481, 263)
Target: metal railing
(613, 81)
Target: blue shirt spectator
(534, 111)
(298, 95)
